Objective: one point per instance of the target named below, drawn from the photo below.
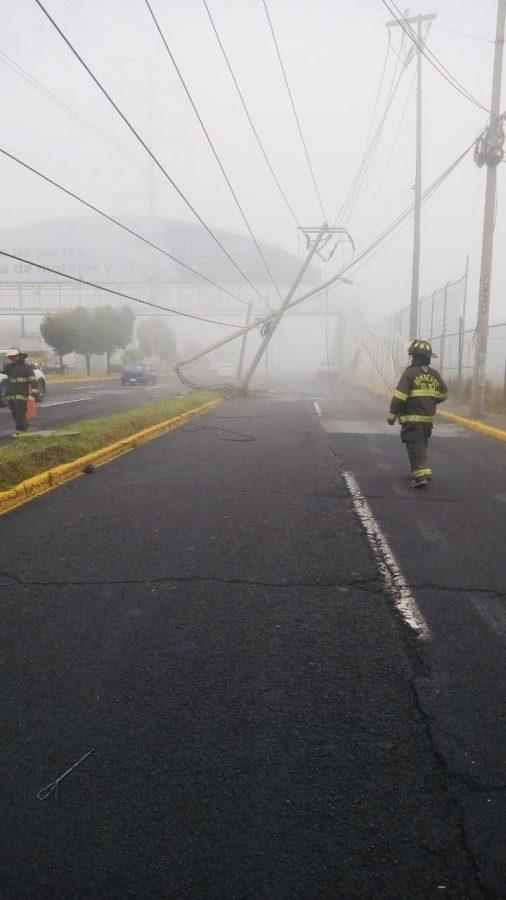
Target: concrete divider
(53, 478)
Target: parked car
(225, 372)
(328, 370)
(41, 384)
(138, 373)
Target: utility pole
(415, 277)
(270, 327)
(489, 152)
(243, 343)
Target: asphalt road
(207, 615)
(65, 404)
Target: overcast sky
(333, 51)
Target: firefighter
(22, 382)
(414, 403)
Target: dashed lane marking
(64, 402)
(388, 566)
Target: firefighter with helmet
(414, 403)
(21, 383)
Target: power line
(371, 148)
(213, 148)
(430, 56)
(148, 150)
(352, 190)
(403, 217)
(397, 133)
(294, 109)
(250, 120)
(396, 224)
(476, 37)
(42, 89)
(102, 287)
(118, 223)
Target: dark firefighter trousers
(18, 410)
(416, 437)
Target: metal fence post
(461, 354)
(443, 335)
(432, 315)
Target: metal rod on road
(494, 156)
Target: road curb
(473, 424)
(41, 484)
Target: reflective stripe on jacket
(416, 396)
(22, 380)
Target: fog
(333, 52)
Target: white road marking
(64, 402)
(490, 610)
(388, 567)
(317, 408)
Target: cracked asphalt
(208, 617)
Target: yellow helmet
(423, 348)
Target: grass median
(31, 456)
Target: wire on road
(213, 148)
(119, 224)
(102, 287)
(294, 110)
(150, 153)
(249, 117)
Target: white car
(328, 370)
(226, 372)
(41, 384)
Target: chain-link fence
(441, 320)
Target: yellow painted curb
(79, 379)
(48, 481)
(473, 424)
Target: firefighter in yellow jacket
(414, 403)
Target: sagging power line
(148, 150)
(212, 146)
(122, 225)
(108, 290)
(431, 57)
(294, 110)
(249, 117)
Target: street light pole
(493, 155)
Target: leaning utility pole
(415, 278)
(270, 327)
(489, 152)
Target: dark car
(138, 373)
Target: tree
(87, 338)
(114, 329)
(132, 354)
(58, 331)
(156, 338)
